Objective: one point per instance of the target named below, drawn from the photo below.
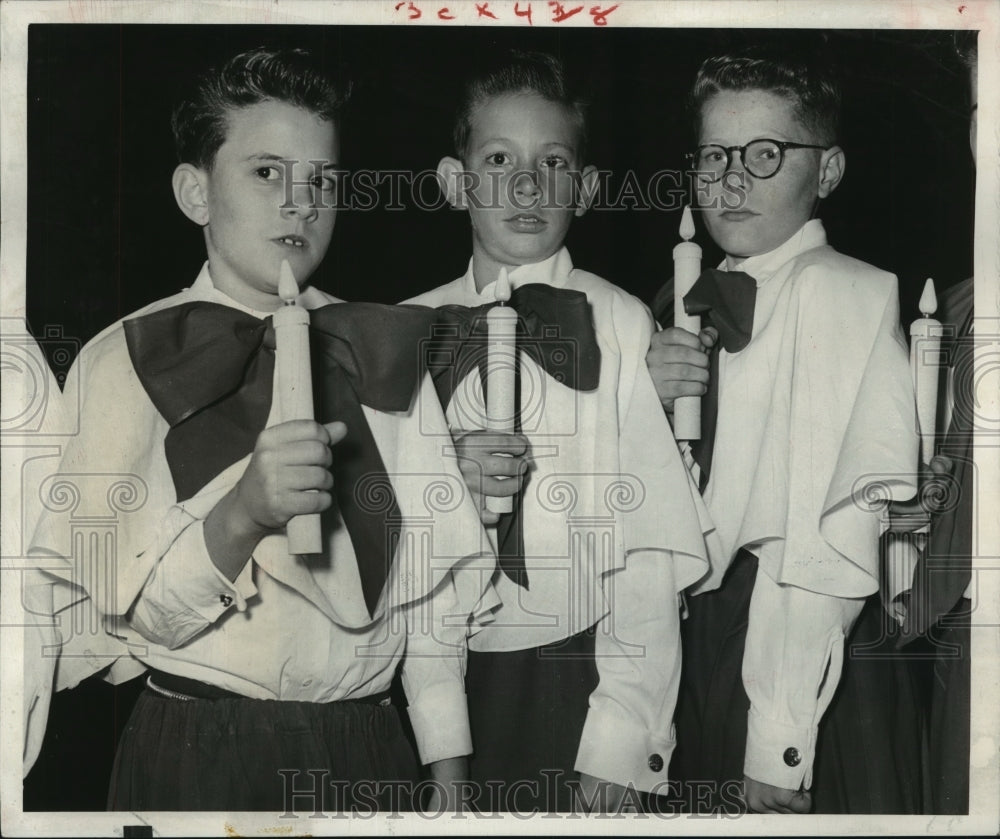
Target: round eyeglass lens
(762, 158)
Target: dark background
(105, 237)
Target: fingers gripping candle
(294, 391)
(687, 267)
(925, 361)
(501, 367)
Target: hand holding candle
(687, 268)
(501, 367)
(294, 391)
(925, 360)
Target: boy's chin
(739, 244)
(753, 237)
(515, 256)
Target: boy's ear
(832, 164)
(450, 171)
(588, 190)
(191, 192)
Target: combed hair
(259, 75)
(516, 71)
(803, 75)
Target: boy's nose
(740, 178)
(737, 182)
(526, 183)
(735, 162)
(302, 205)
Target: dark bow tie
(209, 368)
(727, 298)
(555, 328)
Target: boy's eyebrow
(768, 135)
(559, 145)
(489, 140)
(554, 144)
(264, 155)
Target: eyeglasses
(761, 158)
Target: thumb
(940, 465)
(801, 802)
(336, 430)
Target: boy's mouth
(292, 241)
(738, 215)
(526, 221)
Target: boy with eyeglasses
(809, 401)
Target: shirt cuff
(440, 720)
(197, 582)
(613, 748)
(186, 593)
(779, 754)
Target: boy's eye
(326, 183)
(268, 173)
(498, 158)
(553, 161)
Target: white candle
(501, 366)
(925, 361)
(293, 392)
(687, 267)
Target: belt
(179, 687)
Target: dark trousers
(527, 709)
(241, 754)
(946, 669)
(869, 747)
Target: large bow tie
(555, 328)
(209, 368)
(727, 298)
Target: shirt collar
(204, 289)
(763, 266)
(553, 271)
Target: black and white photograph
(499, 417)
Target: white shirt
(612, 525)
(287, 628)
(815, 409)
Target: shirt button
(655, 762)
(306, 682)
(225, 600)
(792, 756)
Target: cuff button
(225, 600)
(656, 763)
(792, 756)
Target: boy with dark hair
(264, 666)
(813, 402)
(579, 672)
